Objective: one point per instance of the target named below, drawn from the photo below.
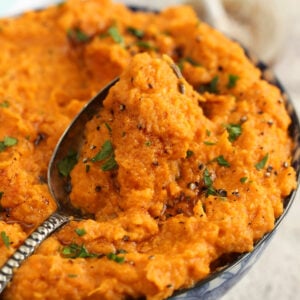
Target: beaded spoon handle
(28, 247)
(58, 185)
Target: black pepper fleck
(40, 137)
(122, 107)
(181, 88)
(200, 166)
(243, 119)
(98, 188)
(222, 193)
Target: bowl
(220, 281)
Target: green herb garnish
(108, 127)
(243, 179)
(232, 80)
(110, 164)
(66, 165)
(4, 104)
(77, 35)
(115, 257)
(146, 45)
(107, 155)
(136, 32)
(222, 161)
(114, 33)
(77, 251)
(105, 152)
(5, 239)
(60, 4)
(209, 189)
(207, 178)
(1, 195)
(189, 153)
(211, 87)
(234, 131)
(188, 59)
(80, 231)
(208, 143)
(261, 164)
(8, 141)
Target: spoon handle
(29, 246)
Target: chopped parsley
(208, 143)
(189, 153)
(211, 87)
(105, 152)
(66, 165)
(4, 104)
(108, 127)
(261, 164)
(232, 80)
(114, 33)
(138, 33)
(209, 189)
(116, 257)
(222, 161)
(8, 141)
(107, 155)
(5, 239)
(234, 131)
(243, 179)
(1, 195)
(146, 45)
(110, 164)
(60, 4)
(77, 251)
(188, 59)
(148, 143)
(77, 36)
(207, 178)
(80, 231)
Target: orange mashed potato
(177, 170)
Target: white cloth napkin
(14, 7)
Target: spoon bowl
(59, 187)
(70, 144)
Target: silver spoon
(58, 186)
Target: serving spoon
(71, 140)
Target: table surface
(277, 273)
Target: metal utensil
(70, 140)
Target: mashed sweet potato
(177, 170)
